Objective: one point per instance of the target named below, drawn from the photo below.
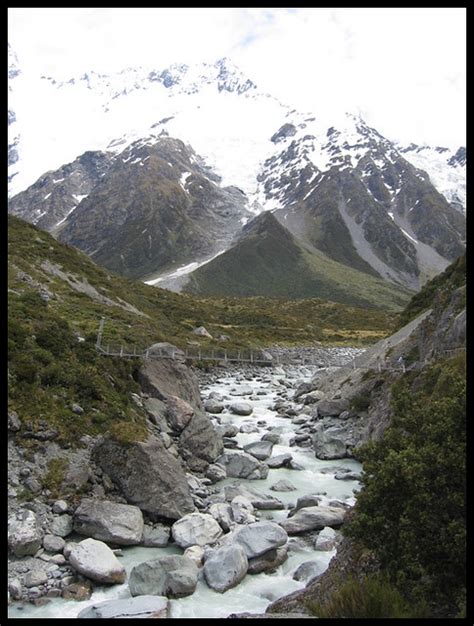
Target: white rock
(196, 529)
(95, 560)
(226, 567)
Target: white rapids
(255, 592)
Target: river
(255, 592)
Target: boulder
(279, 460)
(35, 578)
(24, 533)
(202, 332)
(196, 529)
(260, 537)
(51, 543)
(195, 553)
(14, 422)
(327, 539)
(273, 437)
(305, 501)
(178, 413)
(157, 411)
(348, 475)
(213, 406)
(139, 607)
(216, 472)
(313, 518)
(77, 591)
(259, 500)
(109, 521)
(332, 407)
(60, 506)
(241, 408)
(156, 536)
(62, 525)
(226, 567)
(14, 587)
(172, 576)
(302, 389)
(330, 443)
(199, 443)
(312, 397)
(147, 474)
(167, 377)
(261, 450)
(308, 570)
(242, 510)
(94, 559)
(242, 465)
(268, 561)
(283, 485)
(222, 513)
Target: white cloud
(403, 69)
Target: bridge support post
(99, 333)
(225, 356)
(121, 350)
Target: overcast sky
(402, 69)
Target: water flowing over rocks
(205, 528)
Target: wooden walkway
(251, 357)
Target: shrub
(55, 475)
(411, 510)
(361, 402)
(370, 598)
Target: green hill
(269, 261)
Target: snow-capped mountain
(337, 185)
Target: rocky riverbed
(256, 516)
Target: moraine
(261, 388)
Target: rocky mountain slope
(268, 260)
(152, 206)
(338, 185)
(347, 191)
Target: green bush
(411, 510)
(361, 402)
(373, 597)
(25, 368)
(57, 469)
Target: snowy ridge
(212, 106)
(445, 167)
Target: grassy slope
(269, 261)
(441, 286)
(49, 369)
